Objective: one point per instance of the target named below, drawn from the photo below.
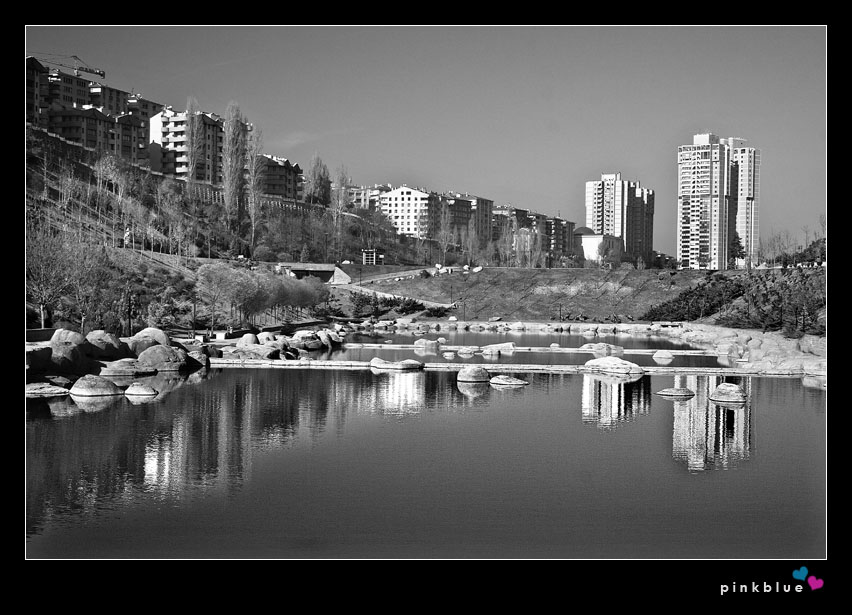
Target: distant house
(328, 273)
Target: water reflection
(611, 400)
(206, 439)
(708, 435)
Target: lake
(267, 463)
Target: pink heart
(814, 582)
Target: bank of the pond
(749, 352)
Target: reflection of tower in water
(610, 400)
(709, 435)
(395, 393)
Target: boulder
(70, 358)
(448, 355)
(555, 345)
(508, 381)
(334, 336)
(729, 393)
(214, 352)
(44, 389)
(141, 343)
(198, 360)
(38, 357)
(495, 319)
(424, 343)
(105, 345)
(613, 365)
(467, 351)
(248, 339)
(603, 349)
(138, 389)
(304, 334)
(66, 336)
(504, 347)
(157, 334)
(405, 365)
(473, 373)
(323, 337)
(679, 392)
(164, 358)
(517, 326)
(313, 344)
(663, 357)
(94, 386)
(255, 351)
(265, 336)
(126, 367)
(452, 319)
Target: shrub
(437, 311)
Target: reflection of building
(396, 393)
(608, 401)
(707, 435)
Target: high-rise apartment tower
(622, 209)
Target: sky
(522, 115)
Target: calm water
(521, 339)
(301, 463)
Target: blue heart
(800, 574)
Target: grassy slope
(537, 294)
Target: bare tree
(255, 173)
(233, 164)
(339, 200)
(471, 243)
(506, 240)
(445, 228)
(317, 182)
(47, 271)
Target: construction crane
(78, 66)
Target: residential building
(452, 210)
(409, 210)
(561, 234)
(622, 209)
(36, 86)
(367, 197)
(282, 178)
(481, 211)
(718, 196)
(744, 203)
(91, 127)
(168, 145)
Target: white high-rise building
(718, 195)
(744, 203)
(622, 209)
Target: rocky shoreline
(57, 366)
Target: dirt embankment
(546, 294)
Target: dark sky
(521, 115)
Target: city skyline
(520, 115)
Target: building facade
(121, 136)
(622, 209)
(282, 178)
(718, 197)
(744, 203)
(168, 147)
(409, 210)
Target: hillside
(546, 294)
